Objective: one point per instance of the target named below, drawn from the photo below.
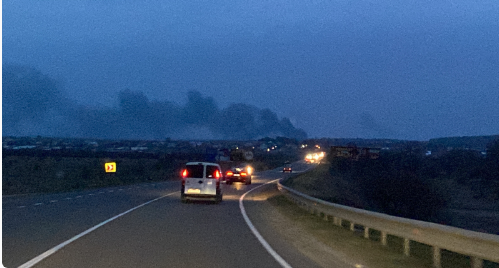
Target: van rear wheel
(183, 198)
(218, 197)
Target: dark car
(287, 167)
(238, 174)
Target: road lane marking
(37, 204)
(260, 238)
(53, 250)
(53, 201)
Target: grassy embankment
(48, 172)
(320, 183)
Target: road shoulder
(285, 225)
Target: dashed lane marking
(91, 194)
(53, 250)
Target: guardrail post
(476, 262)
(407, 247)
(413, 229)
(437, 257)
(383, 238)
(326, 217)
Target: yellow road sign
(110, 167)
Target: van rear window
(211, 172)
(195, 171)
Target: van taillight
(184, 173)
(217, 174)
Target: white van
(201, 180)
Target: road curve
(163, 233)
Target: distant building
(355, 153)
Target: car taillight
(230, 173)
(243, 174)
(184, 173)
(217, 174)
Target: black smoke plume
(33, 104)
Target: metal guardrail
(478, 246)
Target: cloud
(33, 104)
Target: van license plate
(193, 191)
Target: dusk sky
(342, 69)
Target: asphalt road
(142, 226)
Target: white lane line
(79, 196)
(21, 206)
(53, 201)
(53, 250)
(91, 194)
(37, 204)
(264, 243)
(68, 198)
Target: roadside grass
(319, 183)
(368, 252)
(48, 172)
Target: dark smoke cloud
(367, 122)
(33, 104)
